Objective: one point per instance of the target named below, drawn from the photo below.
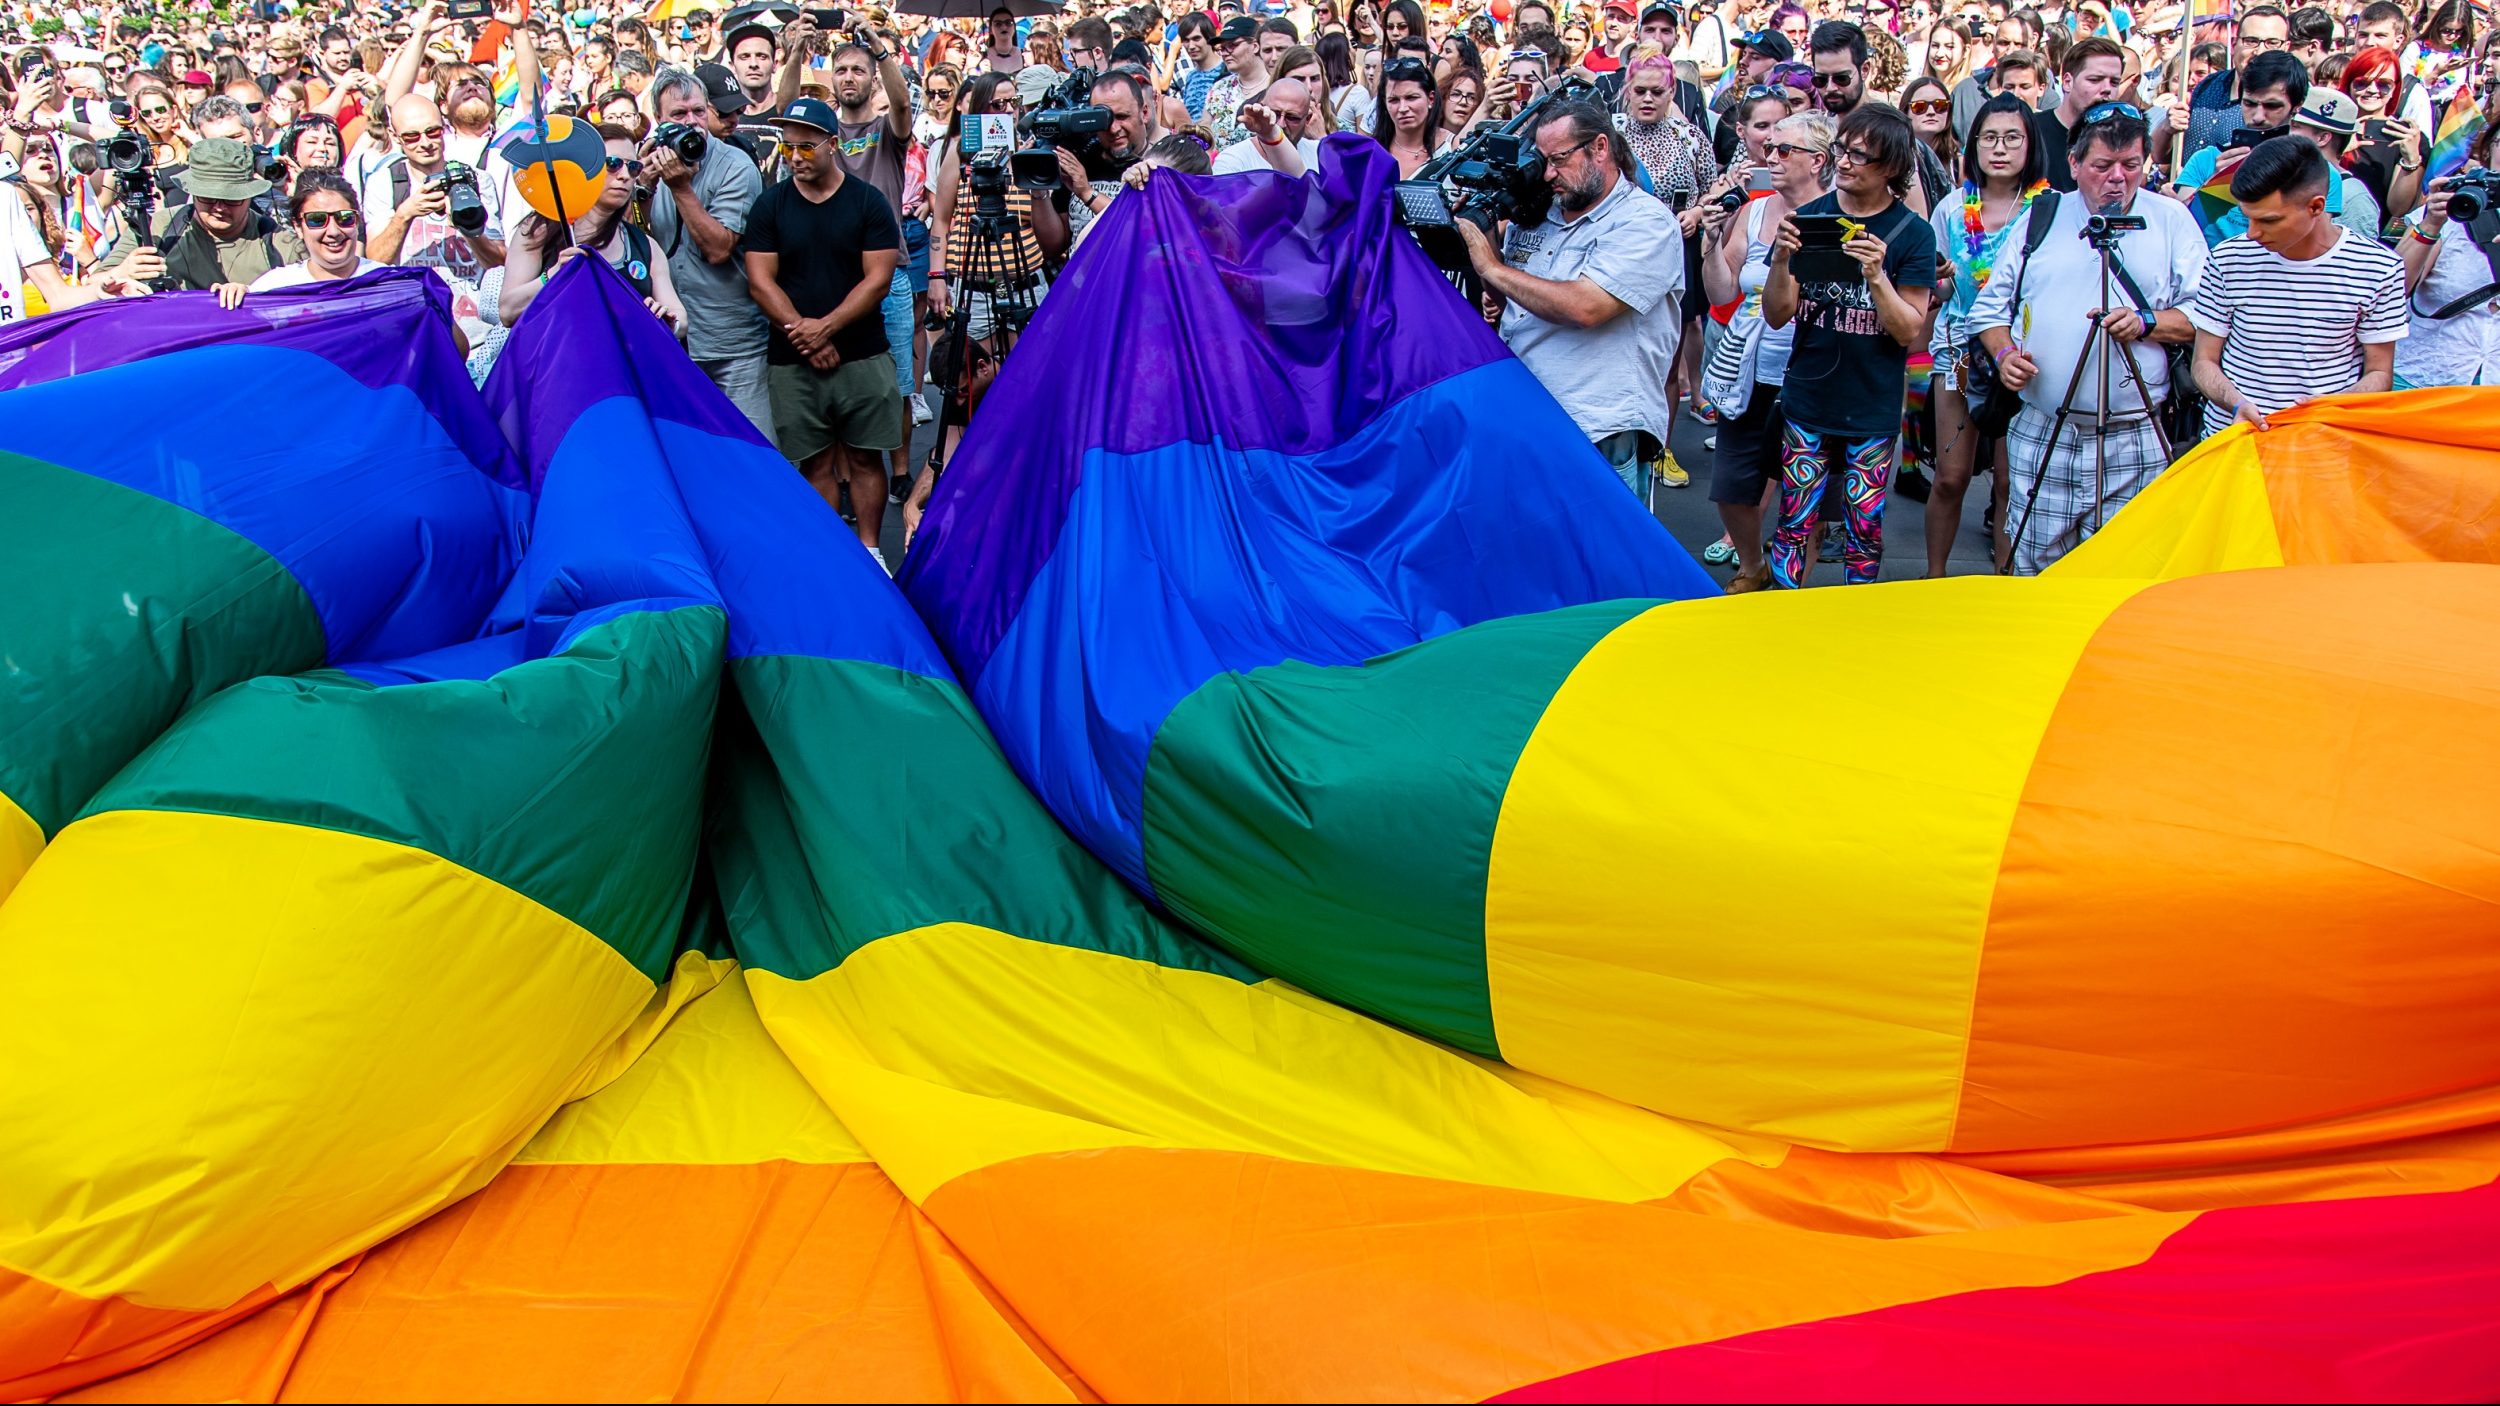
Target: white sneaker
(920, 411)
(1711, 443)
(879, 554)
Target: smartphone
(2374, 130)
(2250, 136)
(1759, 183)
(1819, 257)
(469, 9)
(829, 20)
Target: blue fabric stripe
(1473, 499)
(397, 539)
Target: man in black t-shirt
(1856, 321)
(821, 250)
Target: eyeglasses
(1835, 80)
(1930, 107)
(2261, 45)
(1557, 158)
(804, 151)
(2102, 112)
(328, 219)
(1854, 155)
(629, 167)
(2004, 141)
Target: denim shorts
(916, 254)
(898, 327)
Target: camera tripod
(2104, 233)
(994, 269)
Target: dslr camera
(2471, 193)
(466, 208)
(1067, 116)
(687, 142)
(133, 161)
(1496, 174)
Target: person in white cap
(2329, 118)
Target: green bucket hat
(222, 168)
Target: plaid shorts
(2069, 506)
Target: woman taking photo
(1745, 472)
(1409, 122)
(2445, 269)
(2387, 158)
(603, 229)
(2002, 173)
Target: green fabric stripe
(853, 801)
(1332, 826)
(576, 780)
(118, 610)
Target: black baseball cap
(809, 112)
(721, 86)
(1770, 44)
(1665, 12)
(1236, 29)
(746, 28)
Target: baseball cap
(1666, 12)
(1033, 81)
(193, 78)
(746, 28)
(1770, 44)
(809, 112)
(2328, 110)
(1619, 7)
(1236, 29)
(721, 86)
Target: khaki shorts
(855, 404)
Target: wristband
(941, 276)
(2415, 232)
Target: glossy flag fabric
(932, 1106)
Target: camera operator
(219, 237)
(698, 213)
(1592, 297)
(408, 208)
(2452, 272)
(1123, 144)
(2035, 314)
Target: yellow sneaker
(1671, 473)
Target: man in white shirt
(409, 219)
(1278, 139)
(2042, 301)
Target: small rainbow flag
(2458, 124)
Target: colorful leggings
(1806, 461)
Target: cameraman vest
(195, 261)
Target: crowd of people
(1872, 244)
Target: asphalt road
(1690, 516)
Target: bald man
(1278, 122)
(407, 213)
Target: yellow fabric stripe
(280, 1046)
(2209, 512)
(21, 839)
(1776, 927)
(712, 1090)
(956, 1047)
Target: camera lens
(1731, 202)
(2465, 205)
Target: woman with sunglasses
(937, 105)
(535, 255)
(323, 210)
(1745, 471)
(1928, 103)
(2002, 173)
(2388, 159)
(1409, 119)
(1400, 20)
(159, 119)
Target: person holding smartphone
(1847, 368)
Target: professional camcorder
(1497, 174)
(133, 161)
(1067, 116)
(687, 142)
(466, 208)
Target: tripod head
(2104, 228)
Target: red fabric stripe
(2387, 1298)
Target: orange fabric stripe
(2316, 940)
(776, 1281)
(2386, 478)
(1239, 1277)
(49, 1345)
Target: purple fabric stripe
(1255, 311)
(387, 328)
(653, 370)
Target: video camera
(133, 160)
(1498, 174)
(1067, 116)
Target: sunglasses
(804, 151)
(2374, 85)
(159, 110)
(1834, 80)
(1781, 151)
(328, 219)
(253, 107)
(629, 167)
(2102, 112)
(1930, 107)
(421, 134)
(1409, 67)
(939, 95)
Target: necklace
(1977, 250)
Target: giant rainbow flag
(531, 910)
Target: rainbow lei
(1976, 251)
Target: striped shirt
(2295, 330)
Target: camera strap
(2485, 230)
